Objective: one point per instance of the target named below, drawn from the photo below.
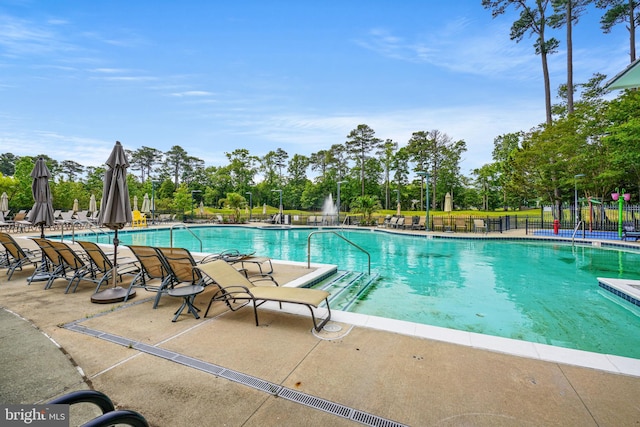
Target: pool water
(528, 290)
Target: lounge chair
(139, 220)
(479, 225)
(234, 256)
(311, 220)
(153, 275)
(4, 223)
(259, 261)
(56, 266)
(420, 225)
(20, 222)
(438, 223)
(102, 264)
(15, 256)
(233, 286)
(51, 268)
(276, 219)
(93, 218)
(629, 232)
(460, 223)
(72, 262)
(393, 222)
(65, 218)
(180, 264)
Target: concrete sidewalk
(224, 370)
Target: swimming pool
(522, 289)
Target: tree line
(587, 143)
(595, 149)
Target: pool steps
(347, 287)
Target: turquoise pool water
(527, 290)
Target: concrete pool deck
(375, 371)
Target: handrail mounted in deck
(340, 236)
(180, 225)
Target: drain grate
(316, 402)
(337, 409)
(250, 381)
(374, 420)
(239, 377)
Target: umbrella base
(111, 295)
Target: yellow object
(139, 220)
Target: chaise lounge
(234, 286)
(15, 257)
(629, 232)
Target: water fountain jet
(329, 211)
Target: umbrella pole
(116, 293)
(115, 257)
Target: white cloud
(190, 93)
(454, 47)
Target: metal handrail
(186, 228)
(575, 230)
(340, 236)
(88, 225)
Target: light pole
(250, 204)
(153, 202)
(425, 175)
(339, 182)
(575, 193)
(192, 209)
(280, 210)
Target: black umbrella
(42, 212)
(115, 212)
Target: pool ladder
(575, 231)
(340, 236)
(180, 225)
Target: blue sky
(213, 76)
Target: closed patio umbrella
(76, 206)
(448, 204)
(201, 207)
(42, 212)
(146, 205)
(135, 203)
(115, 212)
(4, 202)
(93, 206)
